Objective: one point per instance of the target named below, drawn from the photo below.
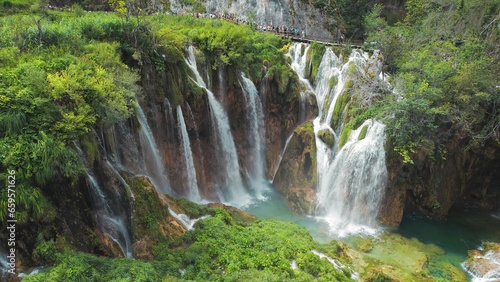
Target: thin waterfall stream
(151, 155)
(231, 190)
(193, 191)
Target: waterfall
(151, 155)
(298, 54)
(351, 180)
(193, 193)
(256, 134)
(486, 268)
(351, 189)
(187, 222)
(232, 190)
(111, 224)
(280, 157)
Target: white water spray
(351, 180)
(255, 116)
(152, 158)
(193, 192)
(232, 190)
(111, 224)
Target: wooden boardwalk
(309, 40)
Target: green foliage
(219, 249)
(373, 22)
(444, 63)
(193, 210)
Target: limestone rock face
(466, 177)
(287, 13)
(296, 177)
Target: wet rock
(327, 137)
(296, 177)
(484, 263)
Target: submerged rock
(396, 258)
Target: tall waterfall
(151, 155)
(193, 192)
(231, 190)
(351, 180)
(255, 116)
(112, 225)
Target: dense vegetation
(444, 58)
(219, 249)
(65, 75)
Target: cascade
(280, 157)
(231, 191)
(351, 180)
(490, 259)
(151, 155)
(351, 188)
(187, 222)
(298, 54)
(122, 181)
(111, 224)
(193, 193)
(256, 133)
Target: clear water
(460, 232)
(275, 207)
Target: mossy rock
(237, 214)
(327, 137)
(333, 81)
(344, 136)
(362, 133)
(340, 105)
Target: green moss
(90, 149)
(191, 209)
(149, 211)
(333, 81)
(344, 136)
(314, 55)
(351, 70)
(362, 134)
(339, 109)
(307, 139)
(176, 93)
(327, 137)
